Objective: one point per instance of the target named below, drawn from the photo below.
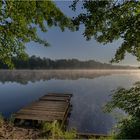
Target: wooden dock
(53, 106)
(92, 135)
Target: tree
(129, 101)
(111, 20)
(19, 21)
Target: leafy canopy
(19, 21)
(111, 20)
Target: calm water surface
(90, 89)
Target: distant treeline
(45, 63)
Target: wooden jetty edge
(92, 135)
(52, 106)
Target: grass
(1, 120)
(54, 131)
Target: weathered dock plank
(48, 108)
(92, 135)
(57, 98)
(37, 117)
(59, 94)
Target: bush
(127, 100)
(54, 131)
(129, 128)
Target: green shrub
(11, 120)
(127, 100)
(129, 128)
(54, 131)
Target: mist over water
(91, 90)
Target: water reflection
(25, 76)
(90, 89)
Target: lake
(91, 90)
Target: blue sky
(69, 44)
